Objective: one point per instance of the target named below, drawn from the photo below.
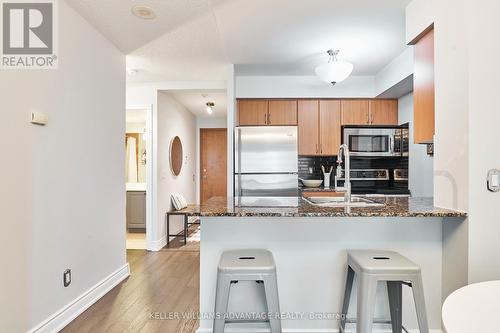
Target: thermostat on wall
(39, 118)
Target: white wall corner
(68, 313)
(395, 72)
(158, 244)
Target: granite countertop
(393, 207)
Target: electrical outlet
(67, 277)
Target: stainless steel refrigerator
(266, 166)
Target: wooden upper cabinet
(282, 112)
(355, 112)
(252, 112)
(308, 127)
(384, 112)
(423, 90)
(329, 126)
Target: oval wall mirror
(176, 155)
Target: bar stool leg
(272, 299)
(347, 296)
(221, 301)
(367, 291)
(394, 289)
(418, 296)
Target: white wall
(421, 171)
(173, 119)
(467, 133)
(484, 139)
(302, 86)
(64, 189)
(205, 122)
(396, 71)
(310, 255)
(451, 119)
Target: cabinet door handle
(265, 118)
(316, 148)
(321, 148)
(269, 118)
(368, 118)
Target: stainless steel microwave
(376, 141)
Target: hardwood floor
(160, 283)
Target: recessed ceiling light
(143, 12)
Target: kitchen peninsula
(309, 244)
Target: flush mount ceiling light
(210, 107)
(143, 12)
(335, 70)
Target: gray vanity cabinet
(136, 209)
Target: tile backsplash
(310, 167)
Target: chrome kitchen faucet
(347, 182)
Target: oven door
(372, 141)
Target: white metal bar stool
(246, 265)
(372, 266)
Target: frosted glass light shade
(334, 72)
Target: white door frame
(151, 158)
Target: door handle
(265, 118)
(269, 118)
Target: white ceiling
(196, 103)
(197, 39)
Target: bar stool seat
(246, 265)
(381, 262)
(372, 266)
(247, 261)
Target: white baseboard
(64, 316)
(158, 244)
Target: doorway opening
(196, 117)
(138, 153)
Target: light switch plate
(493, 180)
(39, 118)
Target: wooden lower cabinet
(329, 127)
(308, 127)
(136, 210)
